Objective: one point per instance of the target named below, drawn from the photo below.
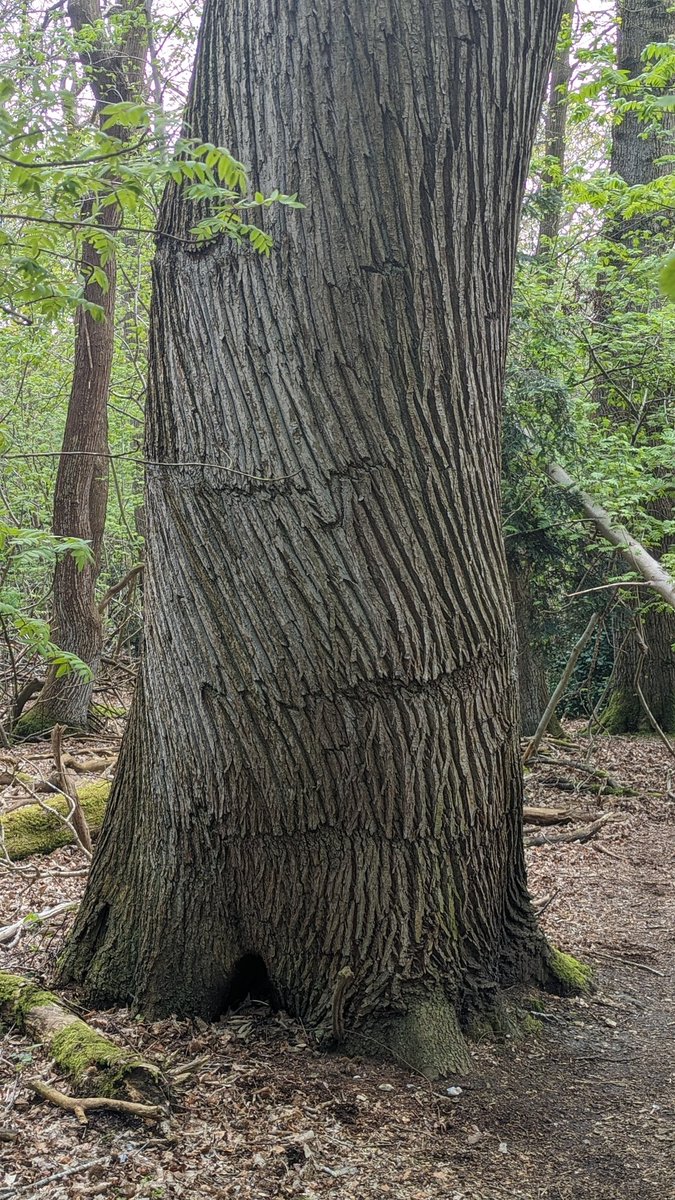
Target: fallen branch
(78, 1051)
(76, 818)
(546, 816)
(617, 535)
(601, 788)
(89, 766)
(119, 587)
(27, 692)
(12, 933)
(534, 743)
(83, 1105)
(584, 834)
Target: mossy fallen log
(83, 1054)
(32, 830)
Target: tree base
(429, 1038)
(38, 721)
(625, 714)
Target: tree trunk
(319, 795)
(115, 72)
(555, 134)
(635, 152)
(635, 156)
(533, 685)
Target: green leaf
(667, 277)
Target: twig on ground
(12, 933)
(40, 1183)
(545, 903)
(583, 834)
(627, 962)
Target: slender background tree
(113, 54)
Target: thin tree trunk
(560, 689)
(654, 670)
(319, 795)
(115, 71)
(555, 135)
(533, 685)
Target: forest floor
(582, 1108)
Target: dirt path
(583, 1109)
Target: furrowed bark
(533, 686)
(322, 759)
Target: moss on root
(34, 722)
(426, 1037)
(78, 1051)
(39, 720)
(31, 830)
(568, 975)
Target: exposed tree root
(83, 1105)
(77, 1050)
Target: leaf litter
(582, 1108)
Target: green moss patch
(76, 1049)
(31, 830)
(570, 975)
